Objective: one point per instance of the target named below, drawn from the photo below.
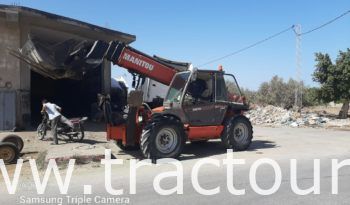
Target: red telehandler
(200, 105)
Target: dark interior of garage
(76, 97)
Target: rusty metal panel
(7, 110)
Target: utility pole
(298, 101)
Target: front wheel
(162, 137)
(237, 134)
(41, 131)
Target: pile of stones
(277, 116)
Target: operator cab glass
(227, 89)
(177, 87)
(200, 89)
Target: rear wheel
(162, 137)
(16, 140)
(79, 136)
(8, 152)
(237, 134)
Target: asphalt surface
(278, 144)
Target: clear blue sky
(198, 31)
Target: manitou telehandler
(200, 104)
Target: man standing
(55, 116)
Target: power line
(248, 47)
(273, 36)
(325, 24)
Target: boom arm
(135, 61)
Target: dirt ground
(330, 111)
(95, 135)
(36, 149)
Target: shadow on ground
(89, 126)
(261, 144)
(194, 151)
(210, 148)
(65, 140)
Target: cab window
(200, 91)
(227, 88)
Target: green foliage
(334, 78)
(311, 96)
(250, 95)
(277, 92)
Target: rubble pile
(277, 116)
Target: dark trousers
(54, 123)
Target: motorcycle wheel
(41, 131)
(80, 133)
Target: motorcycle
(75, 134)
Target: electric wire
(274, 36)
(248, 47)
(326, 24)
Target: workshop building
(22, 88)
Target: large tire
(163, 137)
(8, 152)
(16, 140)
(237, 134)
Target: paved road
(279, 144)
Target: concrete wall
(9, 65)
(15, 74)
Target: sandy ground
(33, 148)
(95, 135)
(279, 144)
(330, 111)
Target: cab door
(221, 96)
(199, 102)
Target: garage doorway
(74, 96)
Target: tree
(310, 96)
(277, 92)
(334, 79)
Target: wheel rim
(7, 154)
(166, 140)
(240, 132)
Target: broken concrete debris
(276, 116)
